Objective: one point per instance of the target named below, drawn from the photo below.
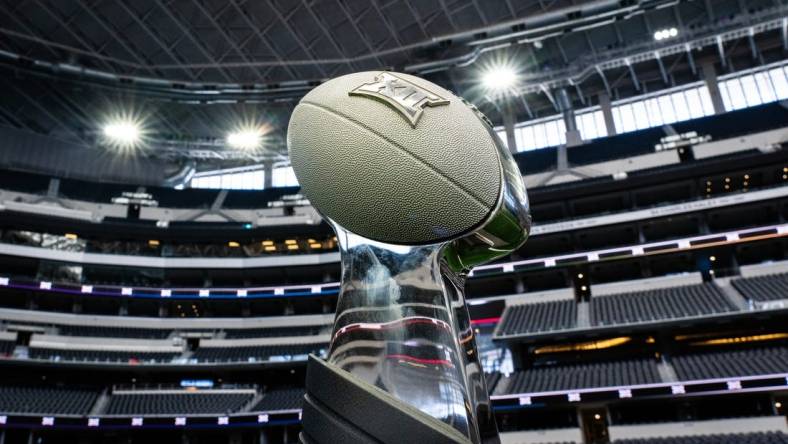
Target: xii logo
(406, 97)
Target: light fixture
(233, 244)
(712, 258)
(597, 416)
(778, 404)
(580, 275)
(270, 248)
(70, 236)
(268, 243)
(290, 242)
(245, 139)
(499, 78)
(122, 133)
(153, 243)
(666, 33)
(292, 247)
(315, 245)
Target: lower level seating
(46, 400)
(7, 348)
(113, 332)
(270, 332)
(577, 376)
(254, 353)
(54, 354)
(659, 304)
(198, 402)
(753, 362)
(763, 288)
(280, 399)
(544, 316)
(735, 438)
(490, 380)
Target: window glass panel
(601, 128)
(580, 124)
(751, 94)
(693, 103)
(552, 133)
(705, 99)
(765, 87)
(592, 124)
(737, 95)
(528, 139)
(780, 82)
(247, 180)
(666, 107)
(502, 135)
(283, 177)
(680, 106)
(641, 116)
(617, 120)
(561, 131)
(653, 112)
(587, 126)
(518, 138)
(627, 120)
(540, 138)
(726, 97)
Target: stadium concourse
(162, 278)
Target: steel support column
(710, 78)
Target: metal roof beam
(220, 30)
(182, 28)
(261, 35)
(299, 41)
(152, 34)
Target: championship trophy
(419, 190)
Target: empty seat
(148, 403)
(763, 288)
(280, 399)
(54, 354)
(659, 304)
(543, 316)
(272, 332)
(578, 376)
(113, 332)
(255, 353)
(727, 364)
(734, 438)
(7, 348)
(46, 400)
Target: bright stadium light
(123, 133)
(666, 33)
(246, 139)
(499, 78)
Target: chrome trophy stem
(402, 325)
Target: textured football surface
(362, 162)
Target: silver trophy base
(402, 326)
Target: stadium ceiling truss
(195, 65)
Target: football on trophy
(395, 158)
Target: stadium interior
(162, 278)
